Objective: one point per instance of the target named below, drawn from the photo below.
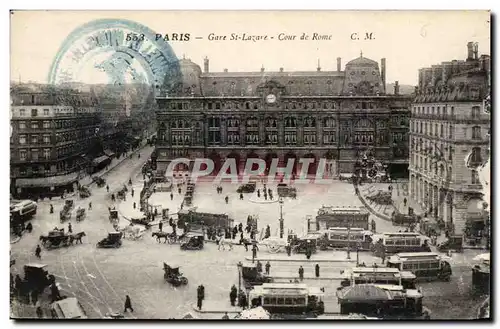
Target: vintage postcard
(250, 165)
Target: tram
(379, 275)
(288, 298)
(341, 237)
(342, 217)
(393, 243)
(425, 265)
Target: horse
(222, 242)
(77, 237)
(160, 235)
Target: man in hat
(128, 304)
(233, 295)
(268, 268)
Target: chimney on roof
(319, 67)
(396, 88)
(262, 68)
(225, 70)
(205, 65)
(281, 69)
(382, 71)
(339, 64)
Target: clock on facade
(271, 98)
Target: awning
(109, 153)
(47, 181)
(100, 159)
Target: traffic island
(302, 259)
(217, 306)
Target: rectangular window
(46, 154)
(476, 132)
(34, 124)
(46, 139)
(34, 112)
(34, 154)
(46, 112)
(22, 125)
(474, 177)
(34, 139)
(46, 124)
(22, 112)
(22, 139)
(22, 155)
(476, 112)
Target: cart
(194, 242)
(80, 214)
(173, 276)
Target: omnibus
(22, 210)
(342, 217)
(288, 298)
(340, 237)
(379, 275)
(393, 243)
(425, 265)
(382, 301)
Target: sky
(409, 40)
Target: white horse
(223, 242)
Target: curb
(195, 308)
(302, 260)
(307, 278)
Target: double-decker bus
(341, 237)
(379, 275)
(425, 265)
(393, 243)
(22, 210)
(288, 298)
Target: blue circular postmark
(116, 52)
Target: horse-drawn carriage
(36, 277)
(304, 245)
(381, 197)
(141, 221)
(284, 190)
(65, 213)
(194, 241)
(247, 188)
(99, 181)
(400, 219)
(84, 192)
(173, 276)
(80, 214)
(122, 193)
(113, 240)
(55, 238)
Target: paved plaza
(100, 278)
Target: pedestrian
(199, 298)
(288, 249)
(171, 196)
(90, 205)
(38, 252)
(268, 232)
(51, 209)
(317, 270)
(258, 193)
(179, 190)
(113, 197)
(34, 296)
(240, 227)
(107, 188)
(301, 273)
(259, 267)
(233, 295)
(160, 226)
(39, 311)
(128, 304)
(225, 316)
(70, 228)
(254, 252)
(268, 268)
(227, 199)
(132, 192)
(242, 300)
(130, 181)
(265, 197)
(134, 205)
(405, 201)
(241, 196)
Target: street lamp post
(240, 265)
(349, 241)
(282, 228)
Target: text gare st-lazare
(265, 37)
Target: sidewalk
(399, 193)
